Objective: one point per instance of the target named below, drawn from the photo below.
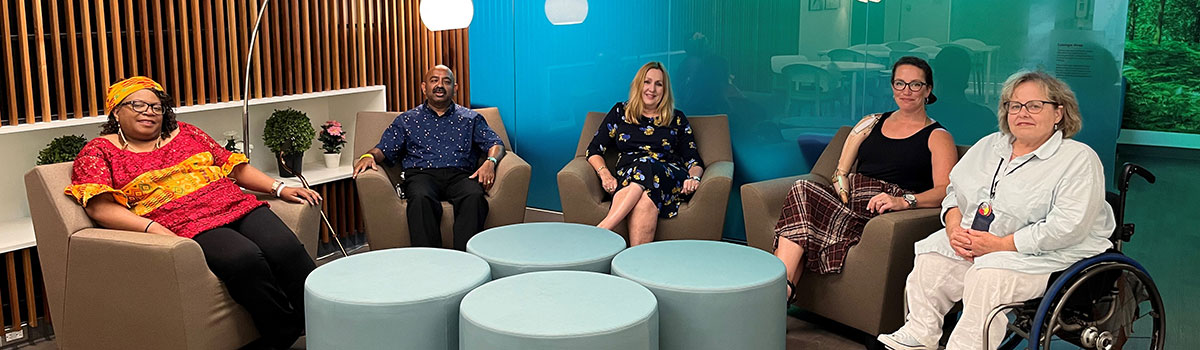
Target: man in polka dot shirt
(438, 145)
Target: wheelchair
(1104, 302)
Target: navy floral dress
(657, 158)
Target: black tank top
(904, 162)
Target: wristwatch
(911, 200)
(697, 178)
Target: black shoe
(792, 297)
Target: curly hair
(168, 117)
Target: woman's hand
(983, 242)
(300, 195)
(960, 241)
(690, 185)
(159, 229)
(608, 182)
(883, 202)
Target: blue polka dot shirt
(419, 138)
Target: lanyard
(992, 192)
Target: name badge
(983, 217)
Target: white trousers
(937, 282)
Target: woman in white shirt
(1022, 203)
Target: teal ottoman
(559, 310)
(546, 246)
(405, 298)
(711, 295)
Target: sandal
(792, 297)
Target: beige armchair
(112, 289)
(869, 293)
(384, 211)
(702, 217)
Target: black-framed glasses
(1034, 107)
(914, 86)
(142, 106)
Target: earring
(121, 134)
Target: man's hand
(363, 164)
(486, 175)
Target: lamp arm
(246, 85)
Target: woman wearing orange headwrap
(148, 172)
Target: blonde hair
(1056, 90)
(666, 106)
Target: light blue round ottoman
(546, 246)
(405, 298)
(559, 310)
(711, 295)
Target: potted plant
(288, 133)
(61, 149)
(332, 139)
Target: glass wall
(787, 73)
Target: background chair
(702, 217)
(869, 293)
(112, 289)
(847, 55)
(384, 211)
(815, 84)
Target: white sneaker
(901, 340)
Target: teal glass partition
(787, 73)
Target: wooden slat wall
(197, 50)
(22, 300)
(342, 209)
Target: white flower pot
(332, 160)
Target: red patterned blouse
(184, 185)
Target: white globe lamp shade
(447, 14)
(564, 12)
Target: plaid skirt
(814, 217)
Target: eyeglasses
(142, 107)
(913, 86)
(1034, 107)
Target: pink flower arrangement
(332, 137)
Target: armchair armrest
(579, 179)
(166, 275)
(381, 208)
(511, 173)
(717, 180)
(761, 204)
(507, 197)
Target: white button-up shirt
(1051, 200)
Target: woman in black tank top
(903, 161)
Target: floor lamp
(246, 121)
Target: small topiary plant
(288, 131)
(61, 149)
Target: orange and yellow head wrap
(122, 89)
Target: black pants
(426, 188)
(263, 265)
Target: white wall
(823, 30)
(21, 147)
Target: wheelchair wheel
(1109, 305)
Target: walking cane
(324, 218)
